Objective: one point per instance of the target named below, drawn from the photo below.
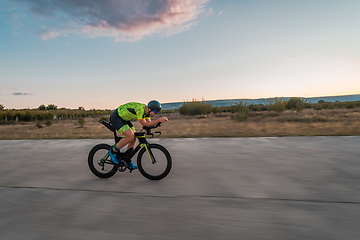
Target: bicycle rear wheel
(101, 169)
(157, 170)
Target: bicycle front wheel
(158, 169)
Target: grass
(309, 122)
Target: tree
(2, 107)
(51, 107)
(42, 107)
(81, 108)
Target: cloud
(122, 19)
(20, 94)
(220, 13)
(210, 12)
(47, 34)
(354, 63)
(297, 57)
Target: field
(309, 122)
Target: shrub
(49, 115)
(38, 124)
(277, 104)
(300, 106)
(39, 116)
(327, 105)
(195, 107)
(81, 121)
(350, 105)
(43, 115)
(257, 107)
(9, 115)
(28, 116)
(19, 115)
(215, 110)
(318, 106)
(241, 115)
(330, 105)
(48, 123)
(324, 105)
(238, 107)
(296, 103)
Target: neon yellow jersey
(132, 111)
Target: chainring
(122, 166)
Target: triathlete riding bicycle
(121, 120)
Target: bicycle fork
(151, 156)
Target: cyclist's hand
(163, 119)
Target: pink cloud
(354, 63)
(122, 19)
(297, 57)
(46, 34)
(210, 12)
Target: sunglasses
(156, 111)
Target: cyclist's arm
(149, 123)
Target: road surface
(218, 188)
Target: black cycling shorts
(120, 124)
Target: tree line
(47, 113)
(196, 107)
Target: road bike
(154, 165)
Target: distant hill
(229, 102)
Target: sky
(101, 54)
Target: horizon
(210, 100)
(103, 54)
(267, 98)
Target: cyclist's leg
(129, 137)
(131, 143)
(118, 123)
(122, 127)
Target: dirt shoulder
(258, 124)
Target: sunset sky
(100, 54)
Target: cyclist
(121, 120)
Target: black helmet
(154, 106)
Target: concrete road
(238, 188)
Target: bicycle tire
(100, 150)
(162, 157)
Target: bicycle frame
(141, 136)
